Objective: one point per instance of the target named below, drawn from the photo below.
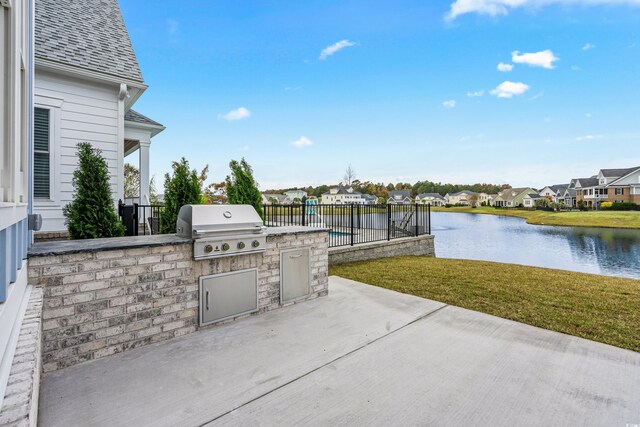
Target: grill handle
(207, 300)
(256, 229)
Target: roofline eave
(154, 129)
(49, 65)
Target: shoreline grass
(596, 219)
(598, 308)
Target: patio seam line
(424, 316)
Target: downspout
(122, 95)
(30, 112)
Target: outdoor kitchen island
(106, 296)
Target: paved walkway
(361, 356)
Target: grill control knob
(208, 249)
(255, 244)
(225, 246)
(241, 245)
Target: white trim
(10, 324)
(54, 106)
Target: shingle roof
(588, 182)
(134, 116)
(402, 193)
(558, 187)
(511, 193)
(424, 195)
(89, 34)
(614, 173)
(467, 192)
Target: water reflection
(614, 252)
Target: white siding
(81, 111)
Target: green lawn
(612, 219)
(599, 308)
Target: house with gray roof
(399, 197)
(342, 195)
(512, 197)
(87, 80)
(460, 198)
(604, 187)
(433, 199)
(554, 192)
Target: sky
(525, 92)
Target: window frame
(48, 153)
(54, 106)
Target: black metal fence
(140, 219)
(354, 223)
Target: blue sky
(393, 95)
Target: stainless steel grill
(222, 230)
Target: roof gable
(88, 34)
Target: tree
(242, 188)
(349, 176)
(183, 188)
(131, 181)
(91, 214)
(473, 200)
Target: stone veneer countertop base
(115, 243)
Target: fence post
(351, 216)
(388, 221)
(136, 226)
(429, 217)
(416, 221)
(304, 211)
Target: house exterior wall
(16, 63)
(80, 111)
(330, 199)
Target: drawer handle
(207, 299)
(295, 256)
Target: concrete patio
(361, 356)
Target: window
(41, 154)
(619, 191)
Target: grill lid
(196, 221)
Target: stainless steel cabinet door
(223, 296)
(295, 274)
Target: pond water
(612, 252)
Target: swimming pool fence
(352, 224)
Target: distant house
(399, 197)
(529, 200)
(626, 188)
(609, 185)
(370, 199)
(433, 199)
(280, 199)
(568, 197)
(486, 199)
(512, 197)
(342, 195)
(295, 194)
(554, 192)
(460, 198)
(87, 79)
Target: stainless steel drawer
(227, 295)
(295, 274)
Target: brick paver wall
(101, 303)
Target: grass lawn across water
(599, 308)
(613, 219)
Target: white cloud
(588, 46)
(588, 115)
(292, 88)
(330, 50)
(449, 104)
(575, 68)
(303, 141)
(475, 94)
(503, 7)
(508, 89)
(536, 96)
(505, 67)
(544, 58)
(237, 114)
(589, 137)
